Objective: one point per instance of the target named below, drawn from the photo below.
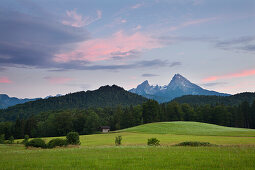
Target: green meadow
(235, 150)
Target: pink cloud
(198, 2)
(119, 44)
(138, 27)
(192, 22)
(123, 21)
(244, 73)
(58, 80)
(137, 6)
(5, 80)
(76, 20)
(99, 14)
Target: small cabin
(105, 129)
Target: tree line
(88, 121)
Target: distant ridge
(177, 87)
(6, 101)
(105, 96)
(226, 100)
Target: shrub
(194, 143)
(25, 139)
(7, 142)
(56, 142)
(73, 138)
(38, 143)
(118, 140)
(11, 139)
(2, 138)
(153, 142)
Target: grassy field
(235, 150)
(128, 157)
(170, 133)
(190, 128)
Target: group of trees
(88, 121)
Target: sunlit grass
(190, 128)
(98, 151)
(170, 133)
(128, 157)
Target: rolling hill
(189, 128)
(105, 96)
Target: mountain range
(178, 86)
(6, 101)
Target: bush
(73, 138)
(118, 140)
(25, 139)
(2, 138)
(7, 142)
(153, 142)
(38, 143)
(11, 139)
(194, 143)
(56, 142)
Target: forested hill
(212, 100)
(105, 96)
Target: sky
(50, 47)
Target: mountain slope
(106, 96)
(6, 101)
(190, 128)
(226, 100)
(177, 87)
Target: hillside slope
(226, 100)
(106, 96)
(190, 128)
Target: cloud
(105, 48)
(137, 5)
(149, 75)
(245, 43)
(191, 22)
(176, 63)
(132, 54)
(138, 27)
(123, 21)
(168, 40)
(58, 80)
(248, 48)
(32, 41)
(197, 2)
(213, 84)
(135, 65)
(242, 43)
(76, 20)
(244, 73)
(5, 80)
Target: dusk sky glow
(50, 47)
